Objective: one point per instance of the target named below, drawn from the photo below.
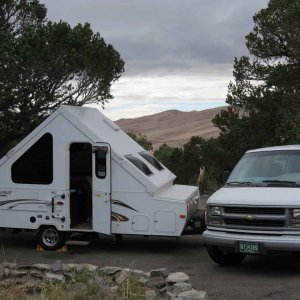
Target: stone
(57, 266)
(177, 277)
(159, 272)
(143, 280)
(170, 296)
(157, 281)
(36, 274)
(18, 273)
(150, 295)
(113, 289)
(180, 287)
(42, 267)
(91, 268)
(1, 271)
(24, 267)
(9, 265)
(120, 277)
(110, 271)
(193, 295)
(55, 277)
(6, 272)
(30, 286)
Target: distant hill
(172, 126)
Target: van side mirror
(226, 175)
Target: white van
(258, 209)
(79, 172)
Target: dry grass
(83, 285)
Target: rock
(158, 281)
(177, 277)
(18, 273)
(193, 295)
(180, 287)
(55, 277)
(113, 289)
(9, 265)
(74, 267)
(30, 286)
(110, 271)
(143, 280)
(57, 266)
(6, 272)
(150, 295)
(171, 296)
(159, 272)
(91, 268)
(120, 277)
(1, 271)
(24, 267)
(157, 277)
(42, 267)
(36, 274)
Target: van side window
(35, 166)
(101, 153)
(139, 164)
(151, 160)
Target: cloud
(178, 54)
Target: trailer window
(139, 164)
(35, 166)
(151, 160)
(101, 162)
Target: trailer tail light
(59, 203)
(182, 216)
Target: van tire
(223, 258)
(50, 238)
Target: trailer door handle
(52, 205)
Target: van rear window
(151, 160)
(139, 164)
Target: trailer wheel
(50, 238)
(223, 258)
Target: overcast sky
(178, 53)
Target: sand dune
(172, 126)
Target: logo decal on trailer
(5, 193)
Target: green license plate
(249, 247)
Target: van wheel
(223, 258)
(50, 238)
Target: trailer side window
(101, 162)
(151, 160)
(35, 166)
(139, 164)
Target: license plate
(249, 247)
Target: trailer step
(77, 243)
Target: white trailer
(79, 172)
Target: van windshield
(267, 168)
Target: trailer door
(102, 188)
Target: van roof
(276, 148)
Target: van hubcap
(50, 237)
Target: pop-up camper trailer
(79, 172)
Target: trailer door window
(101, 153)
(35, 166)
(139, 164)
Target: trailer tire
(223, 258)
(50, 238)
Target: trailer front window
(139, 164)
(35, 166)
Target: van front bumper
(269, 242)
